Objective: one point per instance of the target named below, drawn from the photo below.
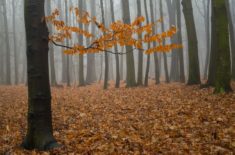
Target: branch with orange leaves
(118, 33)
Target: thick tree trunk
(223, 61)
(39, 133)
(194, 71)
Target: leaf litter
(162, 119)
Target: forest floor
(163, 119)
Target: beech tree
(194, 71)
(39, 131)
(222, 47)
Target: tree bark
(180, 41)
(140, 53)
(164, 54)
(106, 57)
(156, 61)
(130, 66)
(117, 84)
(8, 58)
(194, 71)
(223, 61)
(39, 132)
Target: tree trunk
(232, 39)
(140, 53)
(106, 57)
(194, 71)
(130, 65)
(207, 26)
(39, 133)
(174, 74)
(15, 43)
(8, 52)
(180, 41)
(164, 54)
(51, 51)
(117, 84)
(148, 56)
(156, 61)
(223, 62)
(91, 61)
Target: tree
(194, 71)
(118, 78)
(175, 73)
(15, 43)
(39, 131)
(81, 59)
(106, 57)
(222, 47)
(156, 61)
(164, 54)
(206, 5)
(51, 52)
(91, 60)
(180, 41)
(117, 33)
(140, 53)
(8, 58)
(148, 56)
(130, 79)
(232, 37)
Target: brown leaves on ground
(164, 119)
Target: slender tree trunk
(8, 52)
(39, 133)
(140, 54)
(51, 51)
(156, 61)
(164, 54)
(130, 69)
(213, 53)
(106, 57)
(174, 73)
(15, 43)
(117, 84)
(207, 26)
(91, 61)
(148, 56)
(180, 41)
(232, 38)
(81, 59)
(194, 71)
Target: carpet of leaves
(164, 119)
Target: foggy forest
(117, 77)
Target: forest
(117, 77)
